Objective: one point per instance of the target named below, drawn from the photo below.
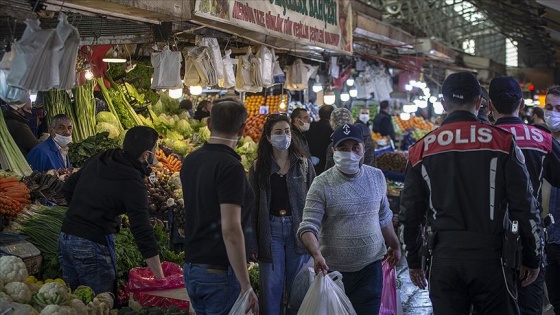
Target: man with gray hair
(52, 154)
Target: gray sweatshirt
(347, 215)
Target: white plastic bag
(215, 56)
(267, 65)
(304, 279)
(324, 297)
(167, 68)
(242, 304)
(229, 72)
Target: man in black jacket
(110, 184)
(542, 158)
(383, 122)
(319, 138)
(468, 178)
(17, 122)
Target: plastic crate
(15, 245)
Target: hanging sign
(323, 23)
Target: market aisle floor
(414, 300)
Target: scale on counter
(17, 245)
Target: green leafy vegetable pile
(80, 152)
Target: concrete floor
(414, 300)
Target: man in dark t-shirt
(217, 198)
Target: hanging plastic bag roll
(324, 297)
(229, 73)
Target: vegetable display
(45, 187)
(80, 152)
(170, 162)
(255, 126)
(392, 161)
(83, 113)
(11, 157)
(14, 195)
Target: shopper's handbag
(324, 297)
(389, 292)
(242, 304)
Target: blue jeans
(211, 291)
(277, 277)
(84, 262)
(363, 288)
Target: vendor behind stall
(17, 122)
(52, 154)
(109, 185)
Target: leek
(11, 157)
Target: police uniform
(542, 159)
(465, 176)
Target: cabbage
(174, 136)
(107, 127)
(107, 117)
(184, 128)
(180, 147)
(204, 134)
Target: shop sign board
(323, 23)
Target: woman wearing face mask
(347, 221)
(280, 178)
(17, 120)
(109, 185)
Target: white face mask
(62, 140)
(305, 126)
(552, 120)
(281, 142)
(154, 159)
(347, 162)
(364, 118)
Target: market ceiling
(533, 24)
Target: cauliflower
(5, 297)
(52, 293)
(78, 306)
(18, 291)
(56, 310)
(12, 269)
(23, 309)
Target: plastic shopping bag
(242, 304)
(389, 293)
(324, 297)
(142, 279)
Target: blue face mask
(347, 162)
(281, 142)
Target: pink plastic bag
(142, 279)
(389, 293)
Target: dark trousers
(363, 288)
(530, 298)
(455, 285)
(553, 276)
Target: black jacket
(110, 184)
(383, 124)
(21, 132)
(319, 138)
(542, 153)
(464, 176)
(301, 139)
(200, 114)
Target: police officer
(465, 177)
(542, 158)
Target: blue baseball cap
(347, 132)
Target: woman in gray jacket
(280, 178)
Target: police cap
(461, 86)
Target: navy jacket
(45, 156)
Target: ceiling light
(176, 93)
(282, 103)
(433, 99)
(353, 92)
(329, 98)
(317, 87)
(410, 108)
(195, 90)
(405, 116)
(438, 108)
(88, 75)
(113, 57)
(344, 96)
(33, 96)
(350, 81)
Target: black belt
(469, 239)
(211, 267)
(281, 213)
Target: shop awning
(377, 31)
(434, 50)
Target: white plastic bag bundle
(278, 73)
(304, 279)
(167, 68)
(298, 74)
(267, 65)
(249, 76)
(229, 72)
(242, 304)
(197, 63)
(70, 37)
(324, 297)
(215, 57)
(34, 66)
